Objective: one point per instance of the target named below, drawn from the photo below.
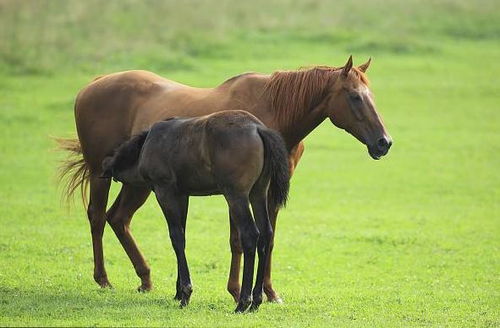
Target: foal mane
(294, 93)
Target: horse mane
(293, 93)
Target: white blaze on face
(364, 92)
(366, 95)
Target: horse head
(350, 106)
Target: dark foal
(230, 153)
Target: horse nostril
(382, 143)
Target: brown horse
(115, 107)
(228, 153)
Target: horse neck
(303, 115)
(250, 92)
(294, 131)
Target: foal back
(205, 155)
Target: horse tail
(276, 165)
(73, 171)
(125, 156)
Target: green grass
(411, 240)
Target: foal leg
(119, 217)
(233, 283)
(259, 206)
(96, 211)
(174, 207)
(178, 293)
(242, 218)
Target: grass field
(411, 240)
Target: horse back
(114, 107)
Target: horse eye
(356, 97)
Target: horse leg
(259, 206)
(242, 219)
(96, 211)
(272, 296)
(174, 207)
(233, 283)
(119, 217)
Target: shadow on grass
(88, 306)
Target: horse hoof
(236, 297)
(144, 288)
(102, 281)
(235, 292)
(104, 284)
(272, 297)
(277, 300)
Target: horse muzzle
(380, 148)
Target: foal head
(350, 106)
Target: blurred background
(411, 240)
(43, 37)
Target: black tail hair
(125, 156)
(276, 163)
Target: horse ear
(363, 68)
(347, 67)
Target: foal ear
(363, 68)
(107, 168)
(347, 67)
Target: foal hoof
(254, 307)
(184, 294)
(184, 303)
(256, 302)
(243, 305)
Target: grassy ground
(411, 240)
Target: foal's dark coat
(230, 153)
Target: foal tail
(276, 164)
(124, 157)
(73, 171)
